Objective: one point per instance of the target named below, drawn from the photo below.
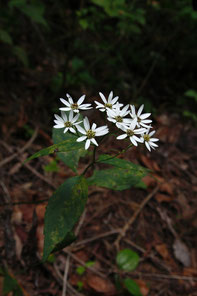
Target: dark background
(146, 52)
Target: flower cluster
(135, 125)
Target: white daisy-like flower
(89, 134)
(149, 142)
(75, 107)
(116, 115)
(131, 132)
(66, 121)
(107, 103)
(141, 118)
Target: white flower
(70, 105)
(141, 118)
(131, 132)
(149, 142)
(116, 115)
(108, 103)
(67, 122)
(91, 133)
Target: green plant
(67, 203)
(128, 260)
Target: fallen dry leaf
(143, 287)
(101, 285)
(167, 188)
(150, 163)
(163, 251)
(149, 181)
(181, 253)
(163, 198)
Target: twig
(25, 147)
(24, 202)
(69, 254)
(161, 276)
(65, 275)
(88, 240)
(133, 218)
(35, 172)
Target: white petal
(133, 141)
(133, 123)
(58, 126)
(71, 115)
(137, 139)
(154, 139)
(81, 130)
(99, 105)
(110, 97)
(151, 133)
(145, 115)
(81, 99)
(65, 102)
(87, 144)
(114, 100)
(93, 126)
(100, 128)
(65, 108)
(86, 123)
(121, 137)
(64, 116)
(102, 133)
(66, 129)
(147, 146)
(111, 119)
(85, 107)
(103, 98)
(69, 99)
(132, 111)
(140, 110)
(58, 118)
(72, 130)
(146, 121)
(75, 118)
(124, 111)
(153, 144)
(80, 139)
(94, 141)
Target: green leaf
(51, 167)
(132, 287)
(35, 12)
(120, 163)
(191, 93)
(127, 260)
(5, 37)
(116, 178)
(63, 211)
(11, 284)
(80, 270)
(70, 158)
(16, 3)
(65, 146)
(21, 55)
(124, 175)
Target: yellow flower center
(118, 118)
(67, 124)
(130, 133)
(90, 134)
(108, 105)
(74, 106)
(146, 138)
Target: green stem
(92, 162)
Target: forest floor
(159, 222)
